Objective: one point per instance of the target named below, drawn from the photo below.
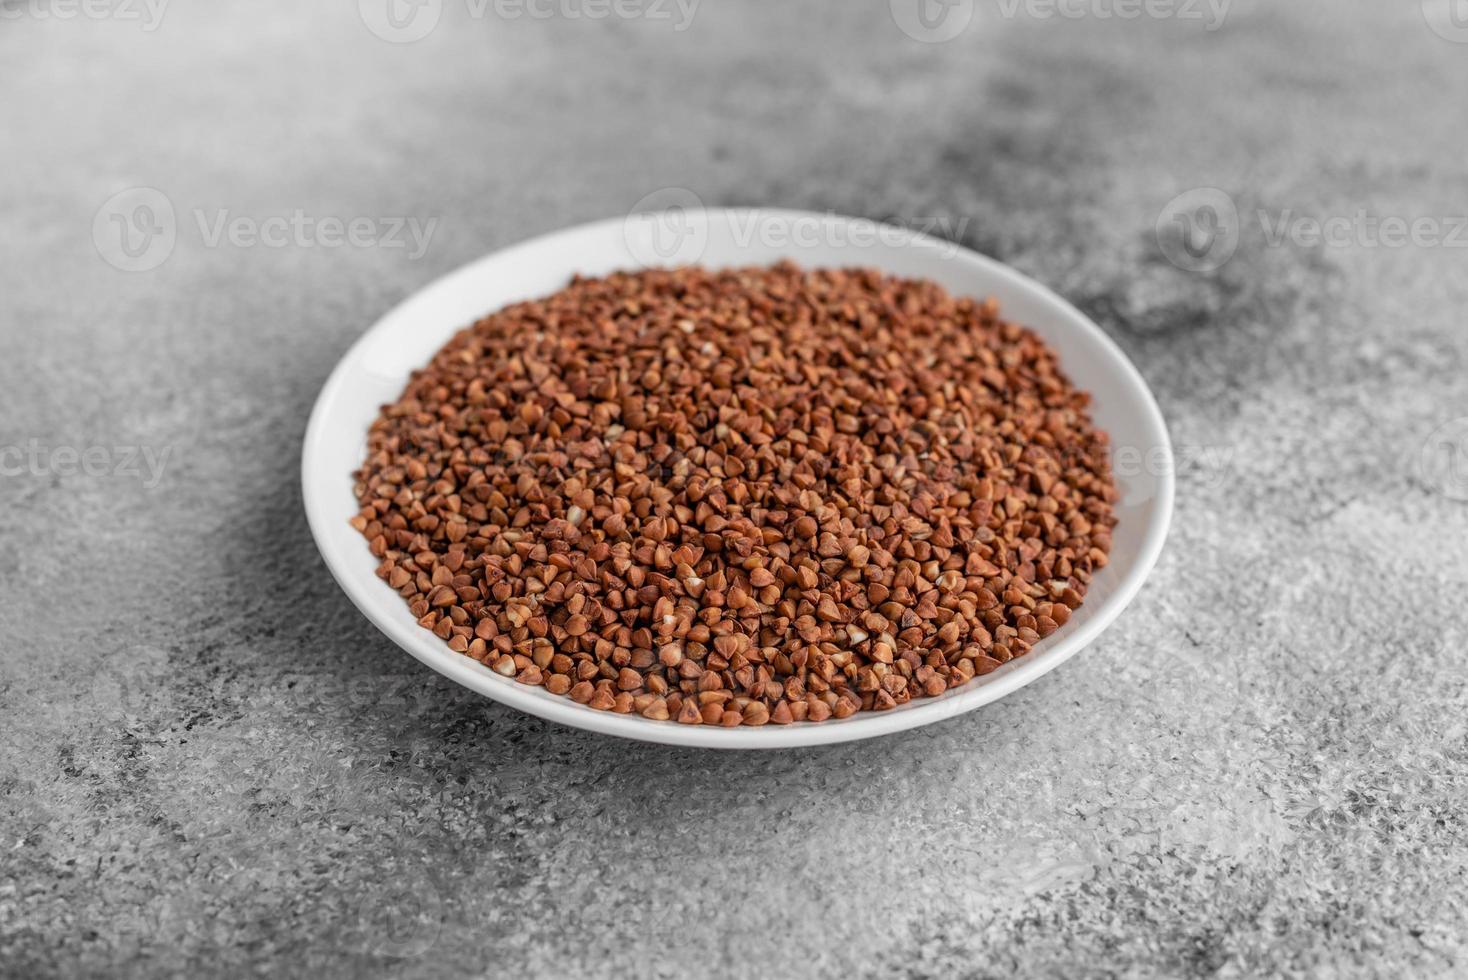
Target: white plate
(376, 369)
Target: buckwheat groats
(762, 495)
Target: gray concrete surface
(211, 764)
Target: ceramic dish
(376, 369)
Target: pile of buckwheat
(739, 497)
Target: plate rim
(470, 674)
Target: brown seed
(797, 509)
(984, 665)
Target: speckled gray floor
(212, 764)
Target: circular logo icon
(135, 229)
(226, 759)
(668, 227)
(403, 919)
(400, 21)
(1443, 462)
(126, 684)
(1198, 231)
(932, 21)
(1448, 19)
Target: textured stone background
(212, 763)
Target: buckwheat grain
(753, 496)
